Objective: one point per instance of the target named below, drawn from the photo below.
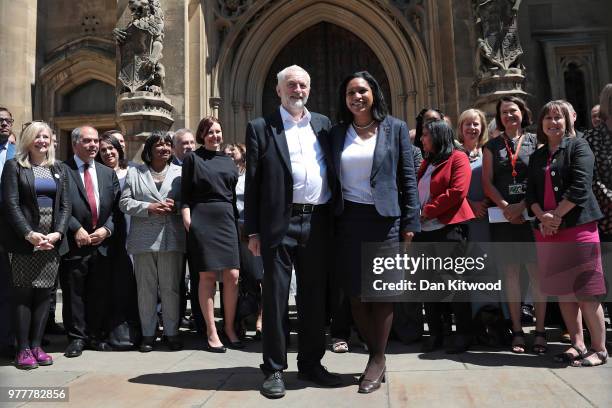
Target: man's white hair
(282, 75)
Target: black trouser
(6, 304)
(305, 246)
(340, 305)
(85, 290)
(53, 301)
(196, 312)
(434, 311)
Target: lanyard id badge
(515, 188)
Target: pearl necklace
(159, 177)
(356, 126)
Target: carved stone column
(18, 19)
(140, 113)
(499, 70)
(141, 104)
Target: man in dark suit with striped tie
(94, 193)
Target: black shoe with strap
(320, 376)
(567, 358)
(539, 348)
(518, 346)
(273, 386)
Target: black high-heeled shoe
(368, 386)
(211, 349)
(235, 345)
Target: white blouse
(356, 167)
(424, 193)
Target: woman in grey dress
(37, 209)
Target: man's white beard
(298, 103)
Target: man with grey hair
(94, 194)
(573, 117)
(7, 152)
(595, 118)
(183, 142)
(288, 220)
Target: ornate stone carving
(498, 66)
(232, 9)
(498, 39)
(140, 48)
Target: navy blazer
(393, 178)
(108, 190)
(268, 195)
(572, 168)
(21, 206)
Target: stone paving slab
(515, 387)
(197, 378)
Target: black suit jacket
(393, 178)
(572, 168)
(108, 190)
(269, 183)
(21, 206)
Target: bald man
(94, 193)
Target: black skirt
(359, 224)
(213, 237)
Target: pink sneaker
(43, 358)
(25, 360)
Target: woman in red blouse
(443, 182)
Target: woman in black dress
(37, 209)
(504, 179)
(209, 214)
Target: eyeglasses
(7, 120)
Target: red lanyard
(514, 157)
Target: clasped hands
(549, 223)
(163, 208)
(83, 238)
(42, 242)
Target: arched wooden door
(328, 53)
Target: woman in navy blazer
(376, 201)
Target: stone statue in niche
(231, 9)
(140, 48)
(498, 40)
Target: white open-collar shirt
(308, 167)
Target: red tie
(91, 196)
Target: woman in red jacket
(443, 182)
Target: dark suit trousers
(6, 301)
(86, 299)
(305, 246)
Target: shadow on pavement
(229, 379)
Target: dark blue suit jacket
(393, 178)
(108, 190)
